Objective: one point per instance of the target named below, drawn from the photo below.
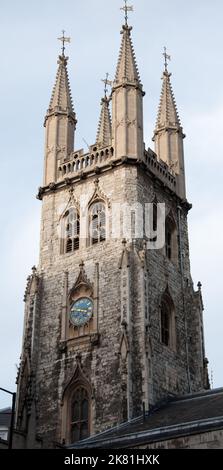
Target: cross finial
(106, 82)
(63, 39)
(81, 264)
(126, 9)
(166, 58)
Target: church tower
(112, 321)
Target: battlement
(159, 169)
(79, 161)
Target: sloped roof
(183, 415)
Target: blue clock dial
(81, 311)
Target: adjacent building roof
(5, 417)
(180, 416)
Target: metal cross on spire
(166, 57)
(63, 39)
(126, 9)
(106, 82)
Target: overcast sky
(193, 34)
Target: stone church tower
(111, 326)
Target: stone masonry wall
(100, 363)
(205, 440)
(55, 366)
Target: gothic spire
(127, 68)
(104, 133)
(61, 99)
(167, 113)
(168, 133)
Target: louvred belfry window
(72, 230)
(97, 223)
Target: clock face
(81, 311)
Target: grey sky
(193, 34)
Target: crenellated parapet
(80, 161)
(160, 169)
(99, 160)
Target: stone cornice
(128, 84)
(110, 165)
(81, 175)
(60, 112)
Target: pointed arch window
(171, 243)
(97, 226)
(167, 322)
(79, 415)
(71, 230)
(154, 220)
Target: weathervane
(106, 82)
(166, 57)
(63, 39)
(126, 9)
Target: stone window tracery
(79, 414)
(76, 407)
